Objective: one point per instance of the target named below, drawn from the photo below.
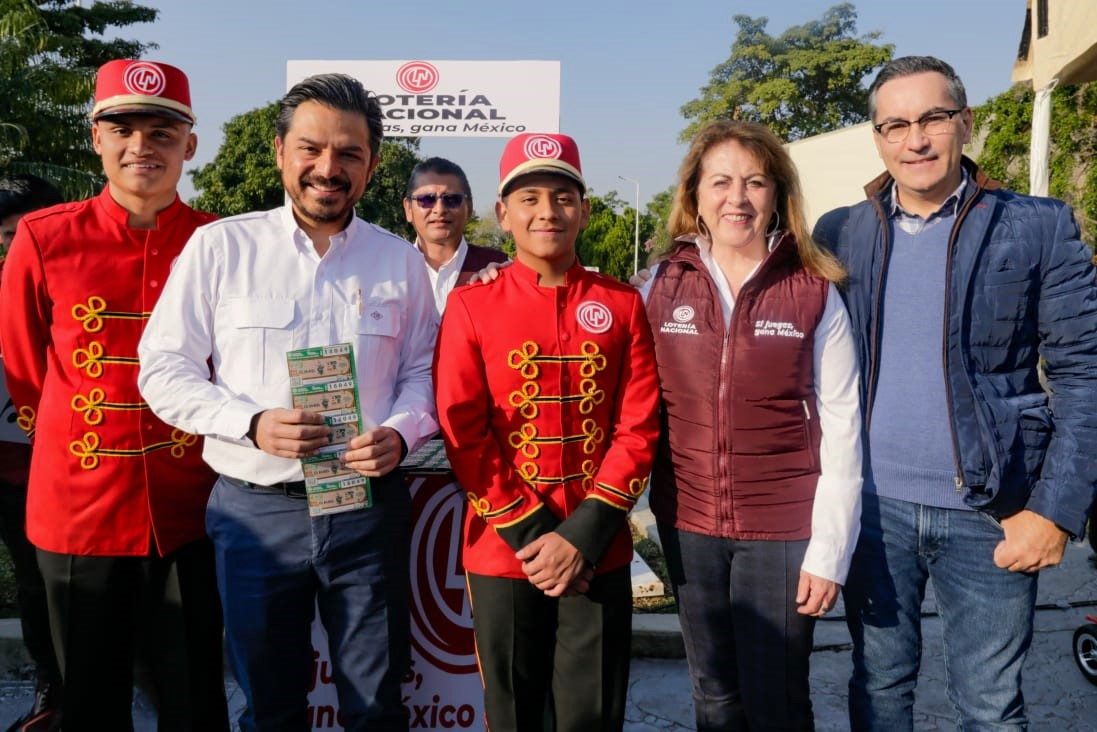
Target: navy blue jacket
(1020, 285)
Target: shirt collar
(520, 270)
(302, 240)
(948, 208)
(704, 246)
(122, 216)
(457, 258)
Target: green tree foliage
(384, 200)
(243, 176)
(1004, 126)
(609, 239)
(49, 52)
(658, 213)
(804, 82)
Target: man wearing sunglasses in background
(438, 205)
(974, 476)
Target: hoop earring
(776, 223)
(701, 228)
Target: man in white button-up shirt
(244, 292)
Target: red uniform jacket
(548, 402)
(107, 477)
(739, 456)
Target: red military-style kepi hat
(129, 86)
(540, 152)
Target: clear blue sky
(626, 66)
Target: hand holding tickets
(324, 382)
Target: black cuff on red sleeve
(541, 521)
(591, 528)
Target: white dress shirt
(444, 279)
(246, 290)
(836, 512)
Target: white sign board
(453, 98)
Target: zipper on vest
(807, 412)
(722, 431)
(877, 301)
(952, 238)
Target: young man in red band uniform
(116, 497)
(547, 398)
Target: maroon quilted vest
(739, 451)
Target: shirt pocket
(374, 331)
(263, 331)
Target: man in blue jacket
(974, 475)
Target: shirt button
(153, 283)
(155, 252)
(565, 337)
(148, 427)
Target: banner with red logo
(454, 98)
(442, 690)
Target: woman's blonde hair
(776, 164)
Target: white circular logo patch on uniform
(145, 79)
(594, 317)
(540, 146)
(683, 313)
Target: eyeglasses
(932, 123)
(426, 201)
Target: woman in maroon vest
(757, 480)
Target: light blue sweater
(910, 443)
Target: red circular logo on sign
(145, 79)
(417, 77)
(540, 146)
(594, 317)
(441, 618)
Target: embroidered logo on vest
(681, 324)
(776, 328)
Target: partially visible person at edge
(116, 497)
(247, 290)
(548, 402)
(975, 477)
(20, 195)
(438, 205)
(757, 481)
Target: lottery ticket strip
(324, 380)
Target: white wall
(834, 168)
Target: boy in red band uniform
(116, 497)
(548, 398)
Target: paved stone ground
(1059, 699)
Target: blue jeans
(986, 615)
(747, 648)
(276, 565)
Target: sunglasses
(449, 200)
